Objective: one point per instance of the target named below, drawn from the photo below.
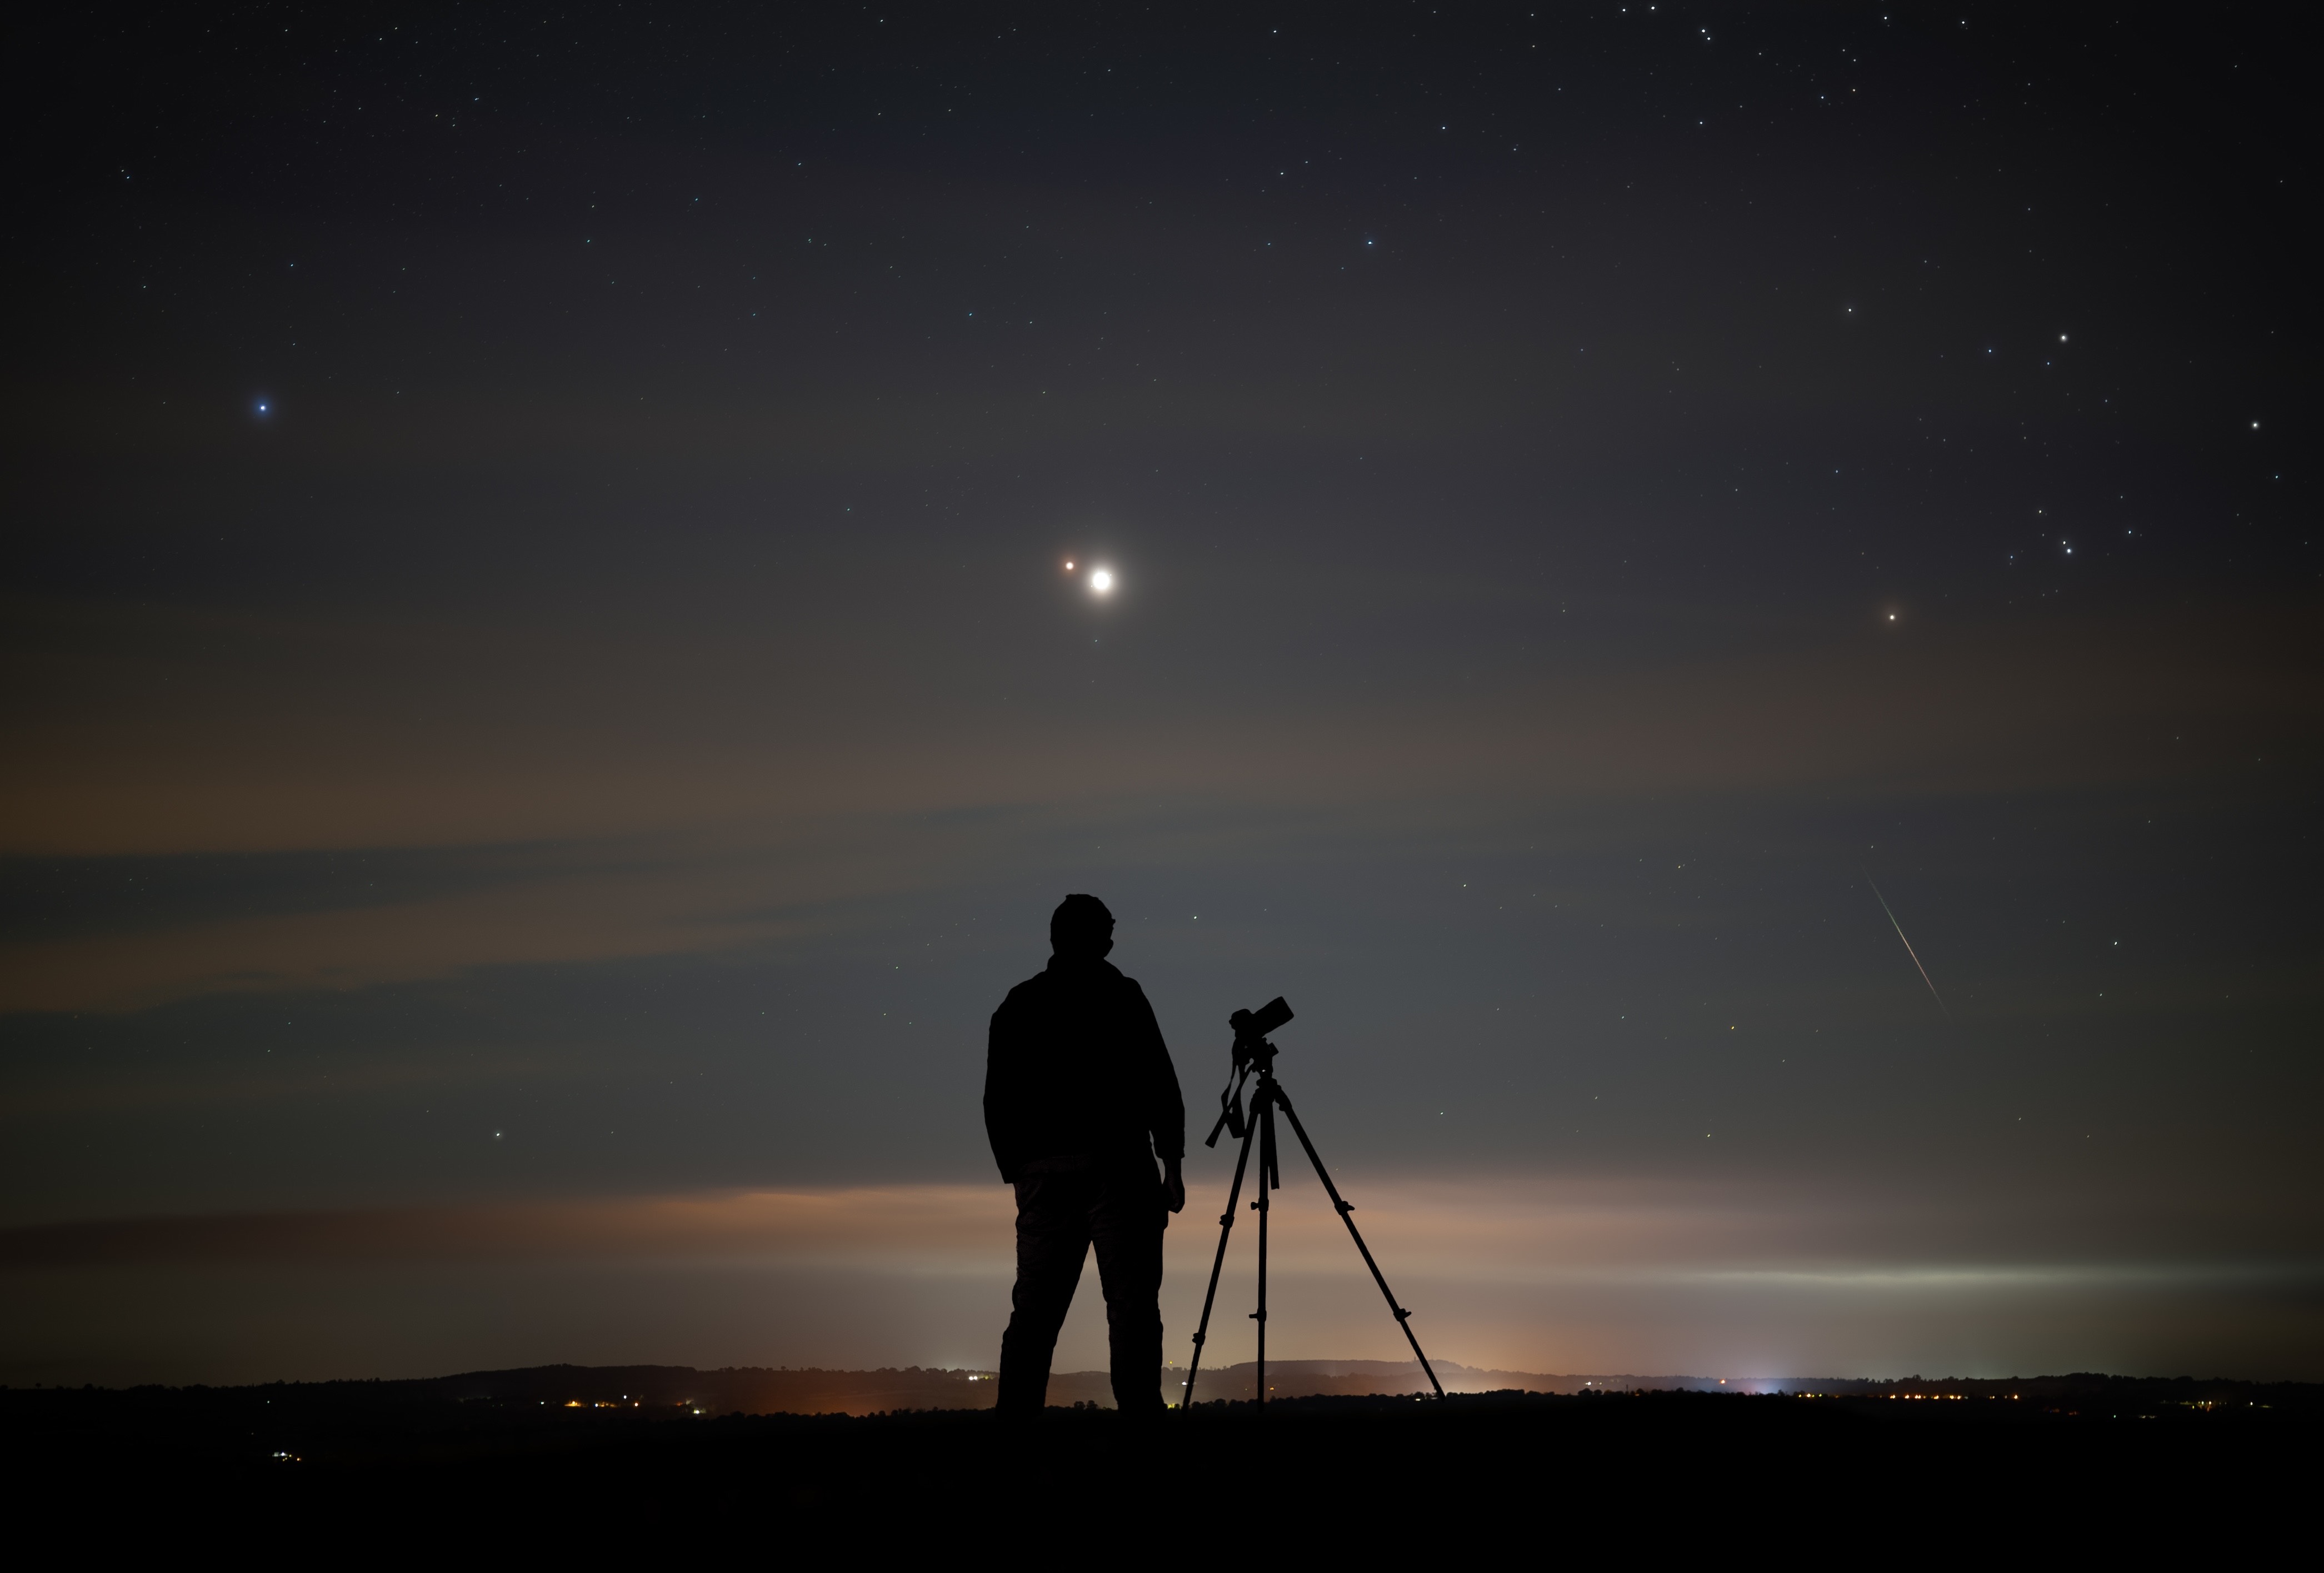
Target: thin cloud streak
(304, 736)
(1519, 1230)
(916, 1227)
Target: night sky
(545, 705)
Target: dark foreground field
(346, 1471)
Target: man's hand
(1174, 1185)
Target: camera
(1252, 1051)
(1251, 1027)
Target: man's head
(1081, 929)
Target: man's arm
(1000, 1102)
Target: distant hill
(763, 1390)
(782, 1389)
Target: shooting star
(1899, 927)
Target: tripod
(1253, 1054)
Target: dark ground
(347, 1469)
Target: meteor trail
(1899, 927)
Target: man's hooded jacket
(1076, 1067)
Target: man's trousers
(1118, 1208)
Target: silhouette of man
(1080, 1098)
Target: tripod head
(1251, 1052)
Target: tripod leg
(1226, 1228)
(1266, 1123)
(1402, 1317)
